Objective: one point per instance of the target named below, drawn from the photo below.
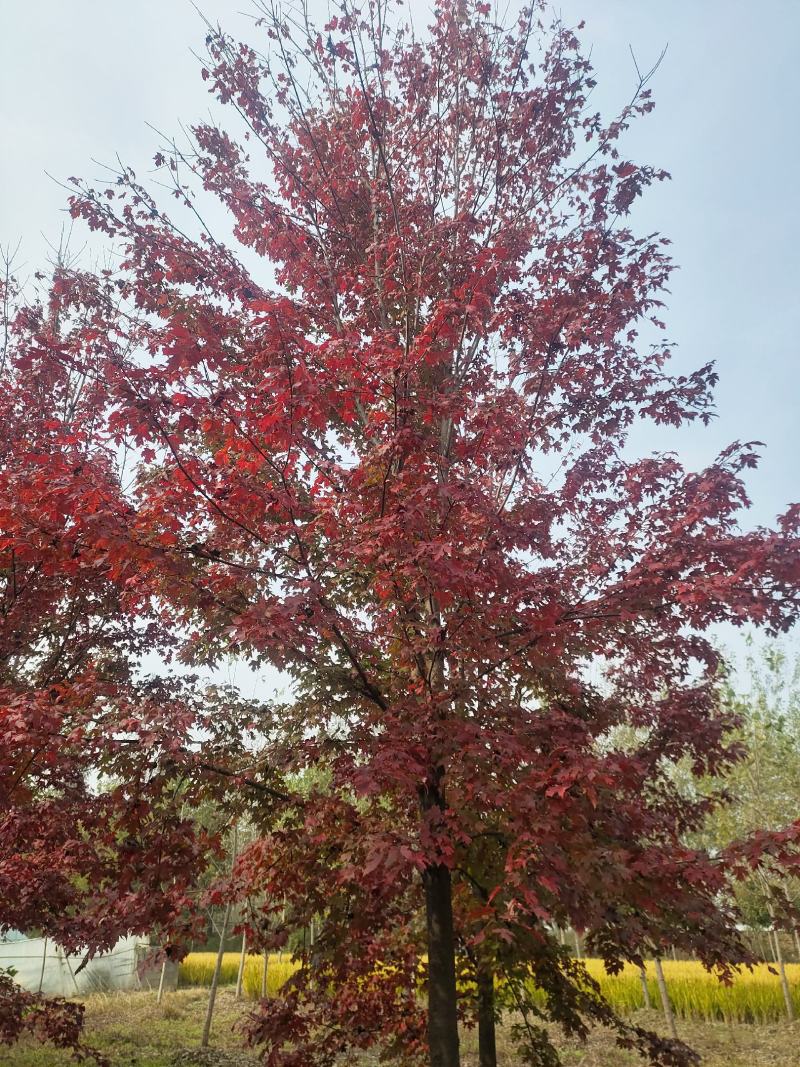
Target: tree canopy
(380, 438)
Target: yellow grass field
(754, 997)
(198, 967)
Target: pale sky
(80, 80)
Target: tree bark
(72, 974)
(44, 964)
(442, 993)
(160, 994)
(264, 975)
(669, 1015)
(240, 974)
(645, 989)
(768, 952)
(212, 993)
(787, 993)
(487, 1042)
(578, 948)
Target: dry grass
(136, 1032)
(720, 1045)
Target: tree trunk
(44, 964)
(487, 1044)
(787, 993)
(240, 974)
(264, 974)
(212, 993)
(160, 994)
(665, 1002)
(72, 974)
(645, 989)
(442, 993)
(768, 952)
(797, 944)
(762, 952)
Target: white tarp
(39, 964)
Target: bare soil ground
(136, 1032)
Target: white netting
(40, 964)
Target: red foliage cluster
(400, 473)
(97, 838)
(52, 1020)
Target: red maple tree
(95, 759)
(399, 472)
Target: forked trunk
(442, 994)
(487, 1044)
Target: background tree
(763, 787)
(764, 693)
(400, 473)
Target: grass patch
(198, 967)
(754, 997)
(136, 1032)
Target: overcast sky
(80, 80)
